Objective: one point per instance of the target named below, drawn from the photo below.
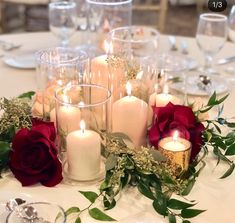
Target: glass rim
(40, 202)
(134, 27)
(123, 2)
(62, 4)
(107, 98)
(40, 53)
(213, 17)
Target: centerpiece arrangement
(149, 141)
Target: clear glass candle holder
(130, 58)
(57, 67)
(105, 15)
(43, 212)
(82, 114)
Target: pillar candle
(130, 117)
(83, 153)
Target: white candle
(53, 116)
(83, 153)
(163, 99)
(175, 145)
(130, 117)
(68, 117)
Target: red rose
(177, 117)
(33, 157)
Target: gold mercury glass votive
(176, 150)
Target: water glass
(82, 114)
(40, 212)
(63, 20)
(131, 49)
(211, 36)
(105, 15)
(57, 67)
(231, 24)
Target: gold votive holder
(176, 151)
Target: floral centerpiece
(28, 148)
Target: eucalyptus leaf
(190, 213)
(178, 205)
(110, 162)
(160, 204)
(108, 204)
(4, 154)
(90, 195)
(221, 100)
(99, 215)
(228, 172)
(186, 221)
(171, 218)
(72, 210)
(121, 135)
(157, 155)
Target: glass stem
(208, 62)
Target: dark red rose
(176, 117)
(33, 157)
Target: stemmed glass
(211, 36)
(231, 24)
(63, 20)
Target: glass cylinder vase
(57, 67)
(105, 15)
(82, 119)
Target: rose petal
(185, 116)
(154, 135)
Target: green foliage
(90, 195)
(4, 155)
(99, 215)
(28, 95)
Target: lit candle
(176, 149)
(175, 144)
(160, 100)
(130, 117)
(83, 153)
(68, 117)
(164, 98)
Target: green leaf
(108, 204)
(230, 150)
(4, 154)
(171, 218)
(90, 195)
(188, 188)
(72, 210)
(186, 221)
(212, 99)
(29, 95)
(111, 162)
(78, 220)
(145, 190)
(190, 213)
(160, 204)
(221, 100)
(178, 205)
(99, 215)
(229, 171)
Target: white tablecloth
(213, 194)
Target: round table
(212, 194)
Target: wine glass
(211, 36)
(63, 20)
(231, 24)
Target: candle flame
(81, 104)
(65, 98)
(175, 136)
(128, 88)
(59, 82)
(139, 75)
(165, 89)
(108, 47)
(82, 125)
